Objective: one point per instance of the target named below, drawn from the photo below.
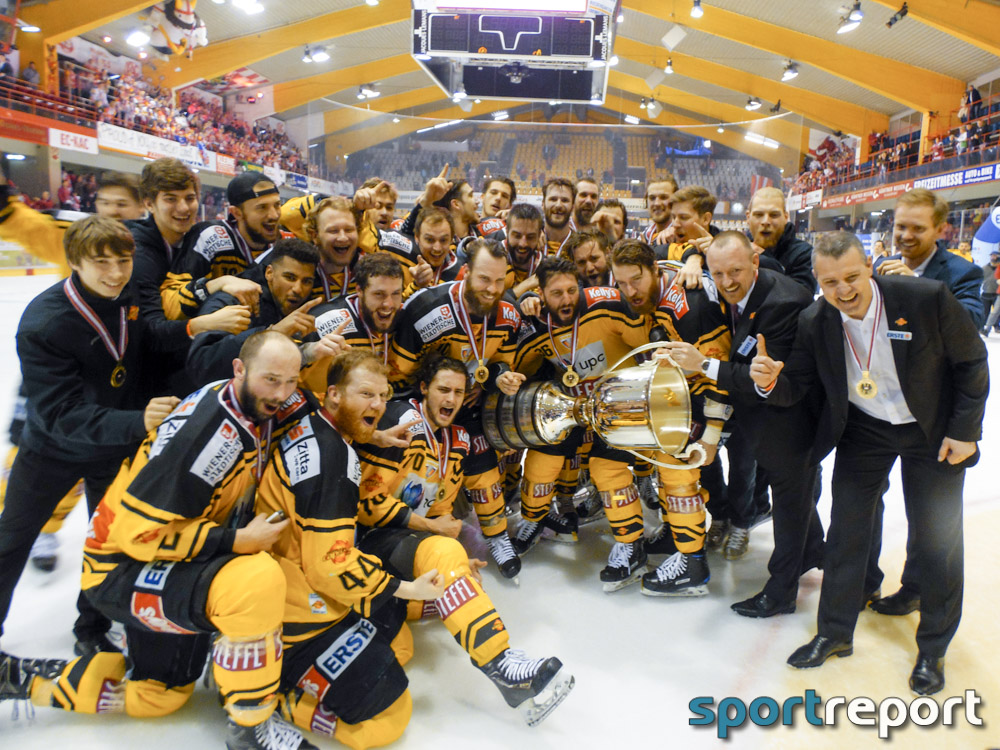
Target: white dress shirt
(713, 364)
(889, 403)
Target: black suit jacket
(777, 434)
(942, 368)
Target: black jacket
(73, 411)
(212, 352)
(942, 367)
(795, 257)
(780, 436)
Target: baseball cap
(241, 187)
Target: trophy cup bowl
(644, 407)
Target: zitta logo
(733, 713)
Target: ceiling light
(395, 119)
(137, 38)
(372, 3)
(219, 2)
(612, 61)
(621, 18)
(846, 24)
(720, 129)
(753, 103)
(898, 16)
(143, 54)
(669, 70)
(653, 109)
(320, 55)
(250, 7)
(791, 70)
(29, 28)
(696, 9)
(642, 103)
(631, 119)
(501, 115)
(478, 101)
(706, 143)
(754, 138)
(856, 13)
(106, 39)
(16, 157)
(422, 56)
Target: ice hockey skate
(626, 564)
(273, 734)
(679, 575)
(535, 687)
(16, 675)
(503, 554)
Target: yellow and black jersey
(433, 321)
(39, 234)
(674, 251)
(412, 476)
(294, 212)
(331, 286)
(406, 251)
(190, 485)
(313, 478)
(689, 315)
(329, 317)
(210, 250)
(604, 327)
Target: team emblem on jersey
(434, 323)
(676, 300)
(302, 430)
(219, 454)
(317, 604)
(330, 320)
(412, 493)
(338, 551)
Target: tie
(734, 314)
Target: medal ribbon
(325, 281)
(871, 345)
(449, 259)
(572, 348)
(242, 245)
(261, 440)
(466, 322)
(433, 443)
(354, 304)
(97, 324)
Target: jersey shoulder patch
(219, 455)
(490, 225)
(507, 313)
(595, 294)
(395, 241)
(329, 321)
(301, 458)
(432, 324)
(212, 241)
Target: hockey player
(658, 192)
(558, 197)
(499, 194)
(574, 338)
(286, 278)
(588, 249)
(366, 319)
(84, 351)
(168, 555)
(680, 315)
(411, 492)
(381, 214)
(588, 195)
(214, 254)
(468, 321)
(432, 259)
(332, 225)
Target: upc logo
(733, 713)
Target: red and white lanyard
(871, 344)
(354, 303)
(325, 281)
(433, 443)
(117, 353)
(572, 349)
(261, 433)
(466, 323)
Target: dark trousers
(798, 531)
(37, 483)
(932, 495)
(733, 501)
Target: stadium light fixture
(307, 55)
(631, 119)
(320, 55)
(501, 115)
(898, 16)
(669, 70)
(696, 10)
(28, 28)
(753, 103)
(846, 25)
(706, 143)
(720, 129)
(791, 70)
(856, 13)
(137, 38)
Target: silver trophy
(644, 407)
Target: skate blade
(612, 586)
(563, 538)
(680, 593)
(535, 710)
(588, 520)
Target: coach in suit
(905, 375)
(917, 224)
(758, 301)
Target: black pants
(932, 494)
(798, 531)
(37, 483)
(735, 502)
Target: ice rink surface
(638, 661)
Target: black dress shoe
(94, 645)
(762, 605)
(901, 603)
(928, 675)
(818, 650)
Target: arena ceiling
(850, 83)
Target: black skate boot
(16, 675)
(533, 686)
(504, 555)
(647, 491)
(273, 734)
(679, 575)
(626, 564)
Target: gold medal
(118, 376)
(482, 373)
(441, 493)
(866, 387)
(570, 378)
